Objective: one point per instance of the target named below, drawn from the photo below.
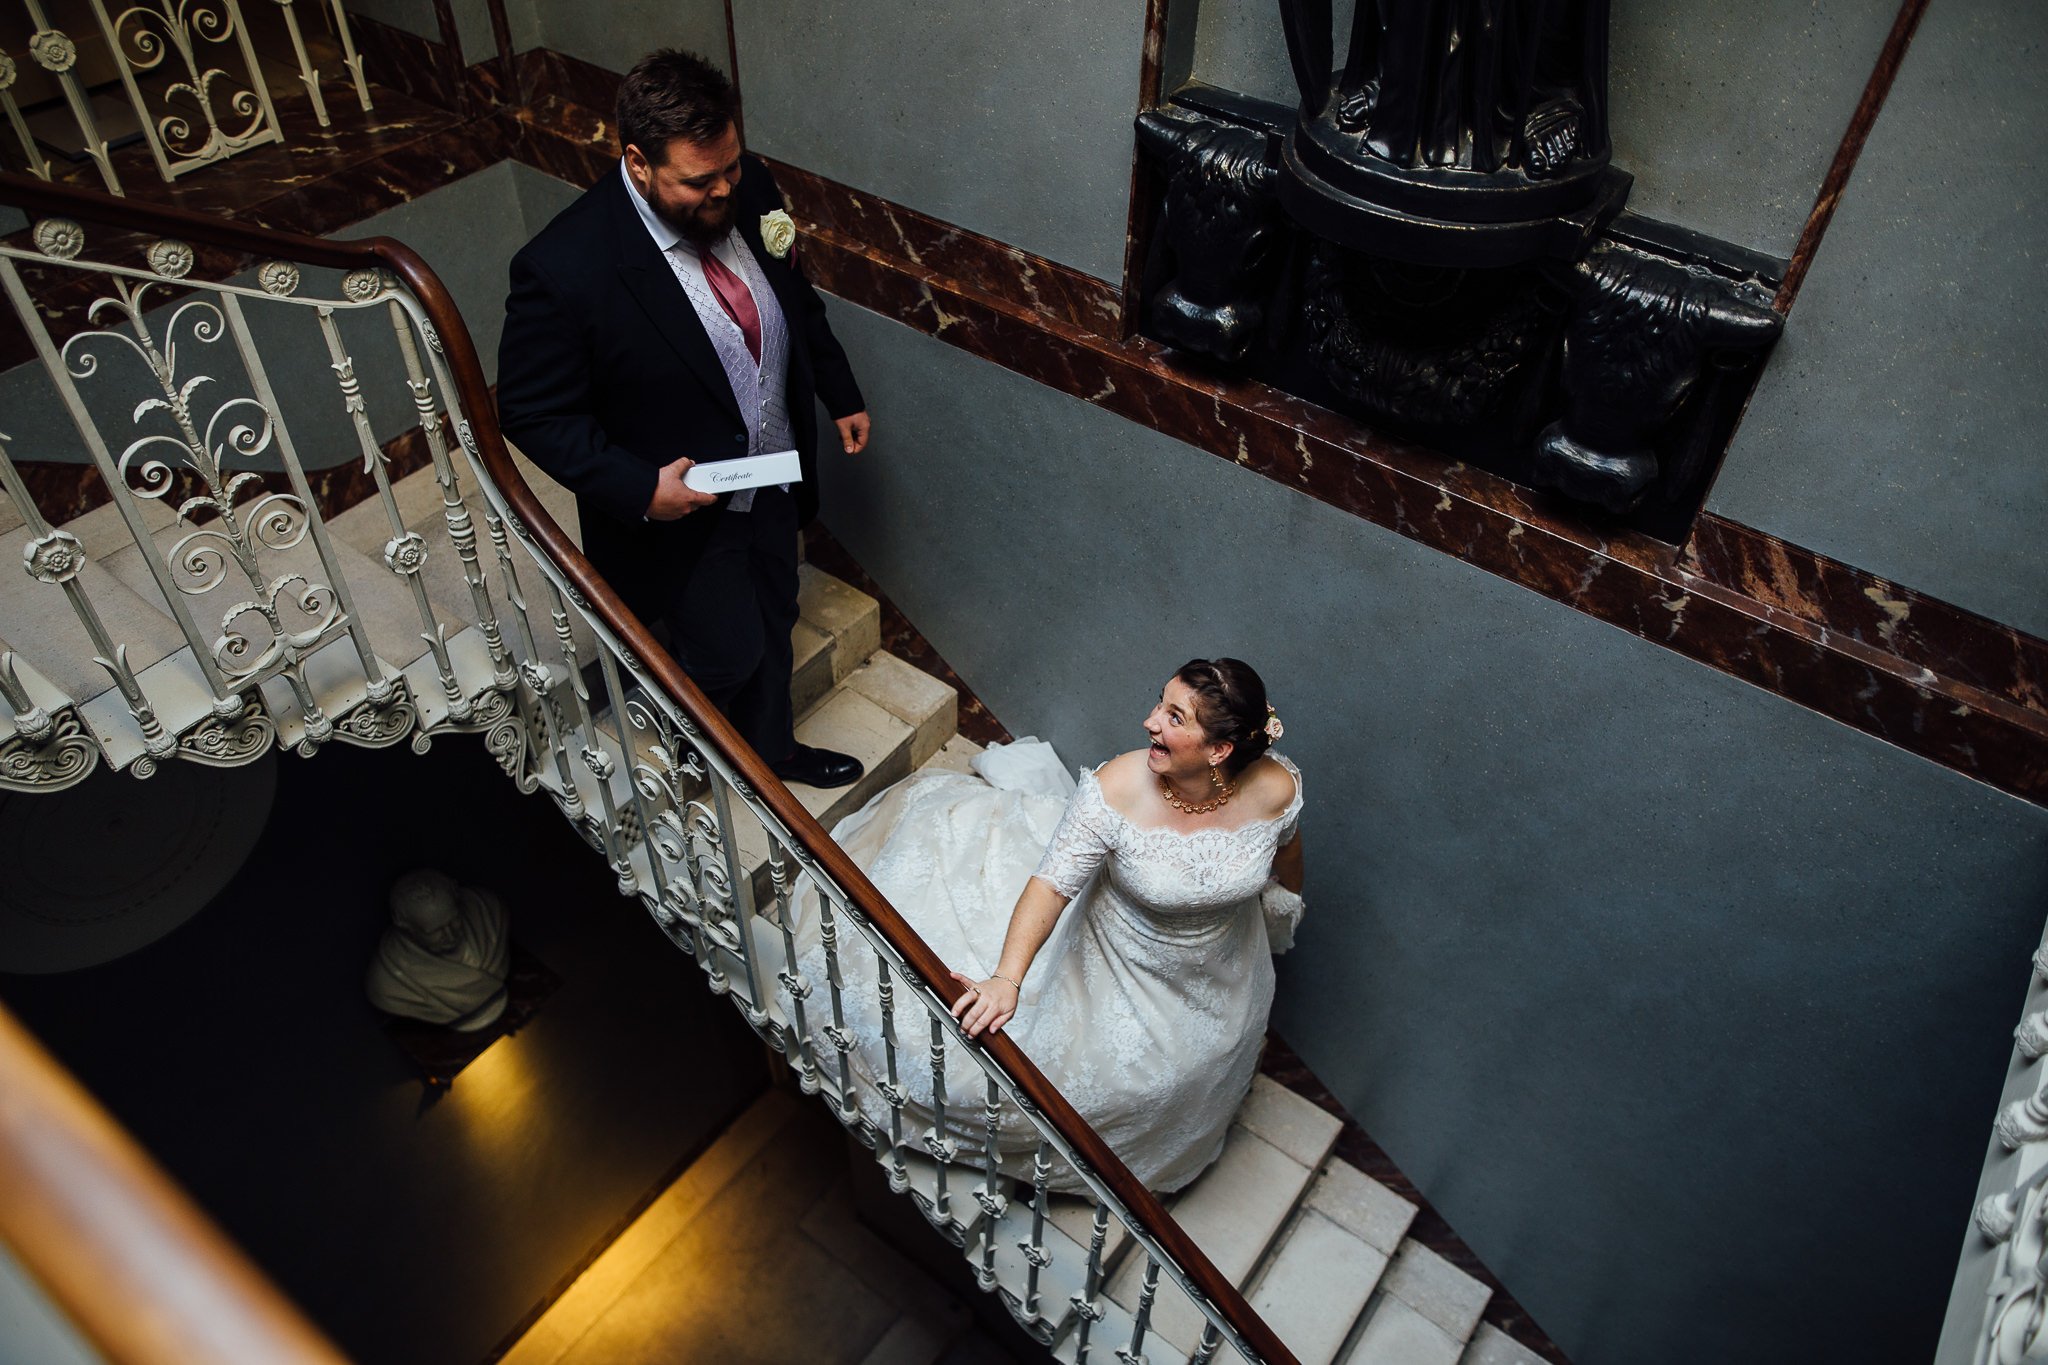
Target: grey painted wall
(1685, 1005)
(618, 33)
(467, 230)
(1726, 114)
(1011, 120)
(414, 16)
(1899, 425)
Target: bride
(1145, 1003)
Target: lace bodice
(1165, 872)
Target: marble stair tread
(1491, 1346)
(1395, 1334)
(11, 519)
(849, 723)
(38, 623)
(104, 529)
(851, 617)
(1294, 1124)
(381, 600)
(810, 674)
(913, 696)
(1315, 1285)
(1361, 1205)
(1449, 1298)
(367, 525)
(1233, 1213)
(559, 501)
(956, 755)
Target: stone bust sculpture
(446, 955)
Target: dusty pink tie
(735, 299)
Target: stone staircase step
(1360, 1205)
(1395, 1334)
(366, 526)
(1435, 1288)
(382, 600)
(811, 670)
(1315, 1285)
(37, 621)
(851, 724)
(1233, 1213)
(1491, 1346)
(1425, 1311)
(956, 755)
(1296, 1125)
(911, 695)
(851, 617)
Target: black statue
(1640, 334)
(1428, 349)
(1458, 132)
(1218, 236)
(1433, 241)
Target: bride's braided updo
(1230, 703)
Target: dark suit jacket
(605, 375)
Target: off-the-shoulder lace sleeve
(1083, 839)
(1291, 817)
(1283, 910)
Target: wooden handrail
(43, 198)
(132, 1261)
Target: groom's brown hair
(673, 94)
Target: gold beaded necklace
(1224, 791)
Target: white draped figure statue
(1140, 922)
(446, 955)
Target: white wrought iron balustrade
(280, 634)
(189, 69)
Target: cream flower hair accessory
(1274, 729)
(778, 233)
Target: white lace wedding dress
(1147, 1006)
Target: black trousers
(730, 621)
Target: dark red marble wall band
(1941, 682)
(1143, 200)
(1889, 58)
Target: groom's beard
(703, 225)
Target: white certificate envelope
(754, 471)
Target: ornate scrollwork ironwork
(170, 258)
(278, 278)
(374, 726)
(58, 238)
(229, 743)
(146, 37)
(53, 50)
(62, 755)
(54, 557)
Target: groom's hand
(853, 432)
(672, 497)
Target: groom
(650, 328)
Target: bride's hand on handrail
(988, 1004)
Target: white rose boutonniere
(778, 233)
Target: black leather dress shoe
(819, 768)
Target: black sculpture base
(1599, 356)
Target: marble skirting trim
(1929, 677)
(1279, 1063)
(417, 67)
(322, 181)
